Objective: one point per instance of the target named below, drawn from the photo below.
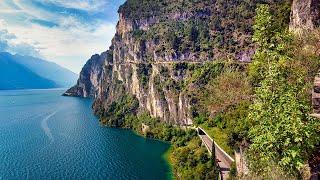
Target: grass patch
(220, 137)
(167, 156)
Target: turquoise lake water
(47, 136)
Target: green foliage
(138, 34)
(192, 162)
(263, 28)
(144, 72)
(282, 11)
(164, 71)
(229, 88)
(221, 93)
(237, 124)
(202, 74)
(210, 29)
(188, 157)
(220, 136)
(200, 119)
(117, 111)
(270, 38)
(283, 133)
(233, 170)
(216, 86)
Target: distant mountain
(49, 70)
(25, 72)
(17, 76)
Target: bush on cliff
(283, 133)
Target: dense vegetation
(283, 133)
(265, 104)
(144, 72)
(222, 83)
(213, 29)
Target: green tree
(283, 133)
(270, 38)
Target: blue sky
(66, 32)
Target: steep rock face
(144, 82)
(153, 44)
(161, 31)
(89, 82)
(305, 14)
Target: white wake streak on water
(45, 127)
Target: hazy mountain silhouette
(25, 72)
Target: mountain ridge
(49, 70)
(15, 76)
(25, 72)
(148, 82)
(166, 31)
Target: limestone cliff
(305, 14)
(153, 45)
(89, 82)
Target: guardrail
(217, 146)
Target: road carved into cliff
(172, 62)
(223, 159)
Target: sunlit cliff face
(305, 14)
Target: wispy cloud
(85, 5)
(66, 32)
(7, 43)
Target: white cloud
(57, 44)
(70, 44)
(34, 12)
(24, 49)
(86, 5)
(4, 34)
(8, 43)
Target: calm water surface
(46, 136)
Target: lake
(44, 135)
